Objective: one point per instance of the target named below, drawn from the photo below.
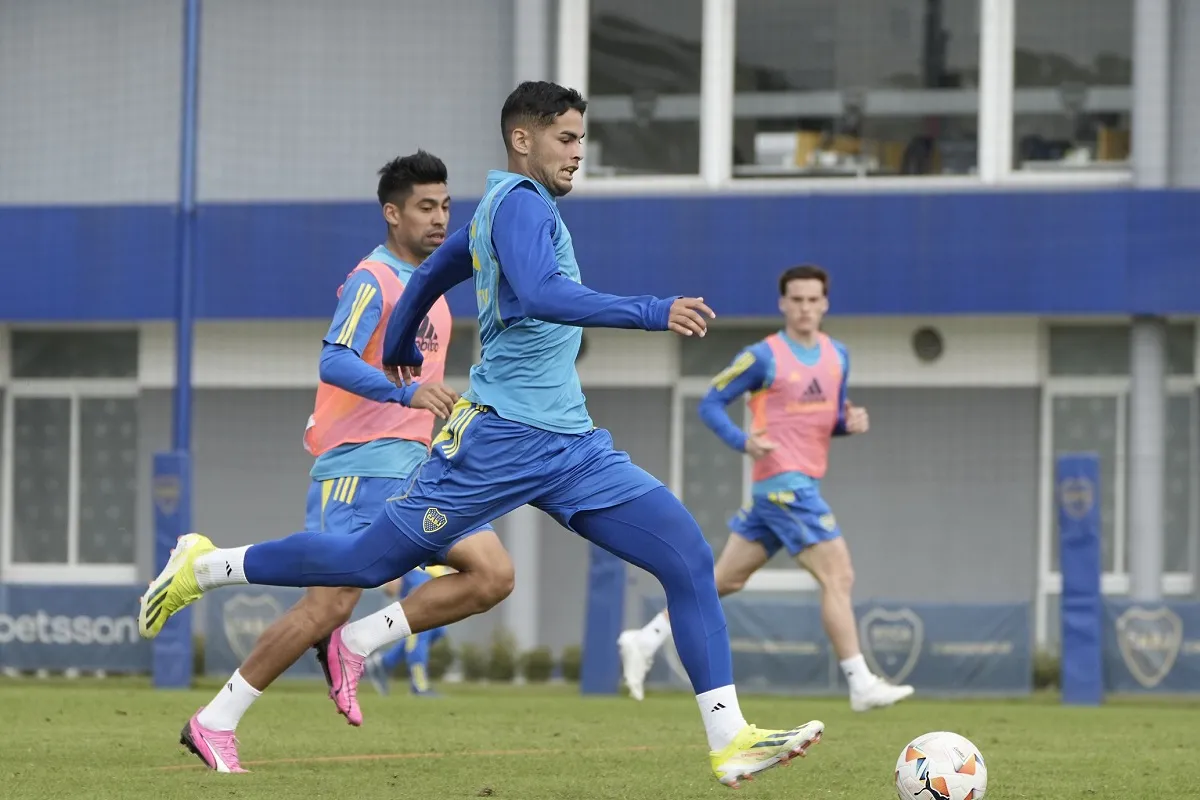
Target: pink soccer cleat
(343, 669)
(217, 749)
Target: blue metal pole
(182, 438)
(171, 651)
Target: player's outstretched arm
(345, 369)
(749, 372)
(522, 233)
(449, 266)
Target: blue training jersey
(531, 304)
(753, 370)
(527, 367)
(358, 315)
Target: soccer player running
(791, 376)
(522, 435)
(368, 436)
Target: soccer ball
(940, 766)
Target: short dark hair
(537, 104)
(398, 177)
(804, 272)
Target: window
(643, 113)
(70, 465)
(856, 87)
(74, 354)
(1103, 350)
(1089, 411)
(1072, 73)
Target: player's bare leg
(210, 732)
(829, 562)
(739, 560)
(483, 577)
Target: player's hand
(402, 376)
(687, 316)
(857, 420)
(436, 397)
(758, 445)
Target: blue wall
(1097, 252)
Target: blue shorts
(349, 505)
(483, 466)
(795, 520)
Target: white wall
(979, 351)
(89, 101)
(306, 99)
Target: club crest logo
(891, 641)
(167, 491)
(244, 618)
(434, 521)
(1077, 496)
(1149, 640)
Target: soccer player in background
(413, 651)
(368, 437)
(796, 409)
(522, 435)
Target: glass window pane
(1089, 350)
(1072, 78)
(704, 358)
(74, 354)
(41, 479)
(643, 112)
(1179, 489)
(107, 480)
(1181, 348)
(853, 87)
(1089, 424)
(712, 474)
(1081, 350)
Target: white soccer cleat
(636, 660)
(878, 694)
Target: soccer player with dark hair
(797, 379)
(368, 437)
(522, 434)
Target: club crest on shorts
(1149, 640)
(891, 641)
(434, 521)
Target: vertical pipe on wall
(185, 267)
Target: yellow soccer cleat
(175, 587)
(753, 751)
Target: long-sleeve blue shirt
(752, 370)
(530, 285)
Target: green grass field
(117, 739)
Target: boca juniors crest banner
(779, 646)
(1151, 647)
(235, 618)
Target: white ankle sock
(722, 716)
(227, 708)
(221, 567)
(384, 627)
(858, 675)
(657, 630)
